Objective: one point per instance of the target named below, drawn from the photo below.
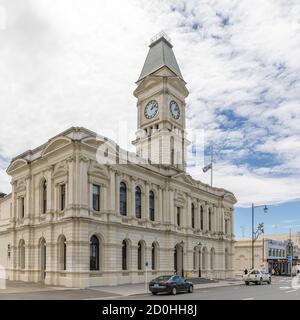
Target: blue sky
(68, 63)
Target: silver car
(257, 276)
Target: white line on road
(248, 298)
(284, 288)
(290, 291)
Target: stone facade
(56, 228)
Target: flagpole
(211, 170)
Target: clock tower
(161, 92)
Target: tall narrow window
(94, 253)
(62, 196)
(154, 256)
(151, 205)
(193, 216)
(226, 226)
(209, 219)
(96, 197)
(178, 216)
(44, 197)
(124, 255)
(140, 255)
(62, 258)
(138, 202)
(201, 218)
(123, 199)
(22, 207)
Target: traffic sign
(290, 258)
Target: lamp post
(182, 272)
(199, 260)
(260, 229)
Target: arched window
(44, 196)
(151, 205)
(138, 202)
(123, 199)
(212, 258)
(154, 254)
(62, 253)
(201, 218)
(209, 219)
(124, 255)
(94, 253)
(193, 216)
(22, 254)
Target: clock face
(151, 109)
(174, 109)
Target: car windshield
(162, 278)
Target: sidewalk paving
(18, 290)
(141, 288)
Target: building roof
(160, 54)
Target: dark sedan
(170, 284)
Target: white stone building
(83, 212)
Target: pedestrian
(246, 271)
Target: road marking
(284, 288)
(248, 299)
(291, 291)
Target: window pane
(123, 199)
(138, 202)
(96, 197)
(62, 197)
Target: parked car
(170, 284)
(257, 276)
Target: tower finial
(161, 34)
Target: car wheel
(246, 283)
(256, 283)
(269, 282)
(154, 293)
(191, 289)
(173, 291)
(260, 281)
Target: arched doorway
(178, 259)
(43, 259)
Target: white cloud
(66, 63)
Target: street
(280, 289)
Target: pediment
(185, 179)
(60, 170)
(55, 145)
(98, 170)
(230, 197)
(17, 164)
(20, 186)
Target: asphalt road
(280, 289)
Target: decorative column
(112, 190)
(171, 217)
(188, 214)
(49, 189)
(147, 189)
(83, 195)
(71, 181)
(205, 217)
(132, 198)
(105, 198)
(28, 197)
(160, 204)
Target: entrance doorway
(178, 259)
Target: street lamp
(182, 244)
(260, 229)
(199, 260)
